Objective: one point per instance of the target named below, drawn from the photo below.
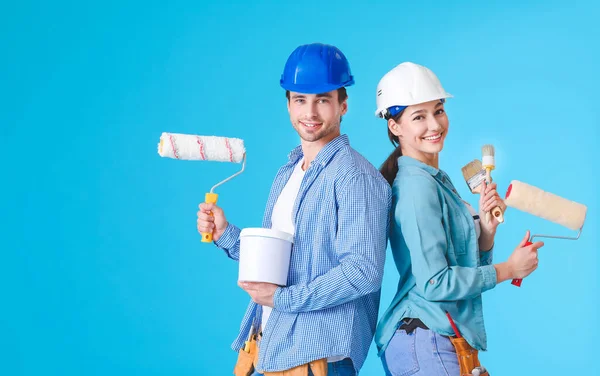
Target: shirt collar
(410, 161)
(325, 154)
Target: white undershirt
(476, 220)
(281, 219)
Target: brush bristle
(487, 150)
(471, 169)
(474, 174)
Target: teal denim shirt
(436, 251)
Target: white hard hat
(408, 84)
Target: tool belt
(468, 358)
(248, 358)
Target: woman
(441, 247)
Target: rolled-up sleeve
(486, 257)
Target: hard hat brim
(314, 89)
(380, 111)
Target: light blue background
(102, 269)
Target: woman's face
(422, 129)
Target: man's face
(316, 117)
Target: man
(337, 206)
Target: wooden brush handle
(517, 281)
(488, 180)
(497, 213)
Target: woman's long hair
(389, 168)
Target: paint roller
(551, 207)
(204, 148)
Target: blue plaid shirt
(330, 305)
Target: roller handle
(210, 198)
(517, 281)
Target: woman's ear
(394, 127)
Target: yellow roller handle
(210, 198)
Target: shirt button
(432, 281)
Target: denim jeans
(423, 352)
(342, 368)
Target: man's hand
(211, 219)
(260, 292)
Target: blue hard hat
(316, 68)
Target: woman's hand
(488, 200)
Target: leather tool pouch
(468, 357)
(246, 359)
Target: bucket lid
(267, 233)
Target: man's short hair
(342, 95)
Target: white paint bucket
(265, 255)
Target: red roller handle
(517, 281)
